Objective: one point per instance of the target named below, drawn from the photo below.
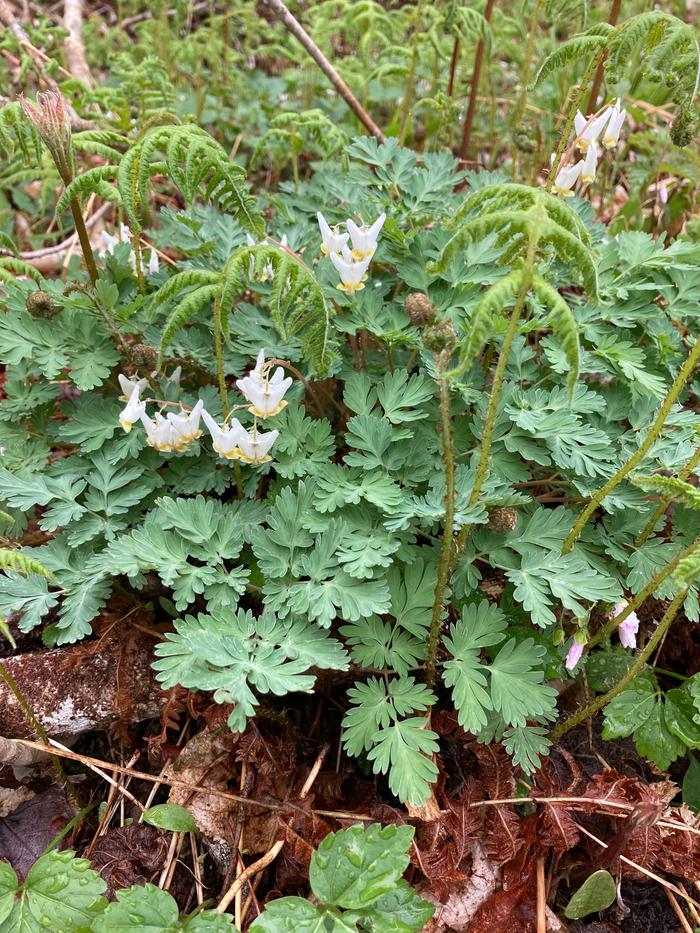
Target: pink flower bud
(52, 120)
(574, 655)
(628, 628)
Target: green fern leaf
(669, 487)
(20, 563)
(185, 311)
(491, 305)
(584, 46)
(563, 324)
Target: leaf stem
(84, 239)
(445, 560)
(677, 386)
(599, 702)
(666, 501)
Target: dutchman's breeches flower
(225, 440)
(364, 238)
(352, 274)
(589, 165)
(566, 179)
(254, 446)
(612, 130)
(265, 394)
(588, 134)
(331, 240)
(133, 410)
(128, 385)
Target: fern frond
(492, 305)
(185, 311)
(646, 28)
(7, 243)
(11, 266)
(85, 184)
(17, 132)
(563, 325)
(196, 163)
(190, 278)
(564, 12)
(299, 308)
(20, 563)
(571, 250)
(688, 570)
(669, 487)
(585, 46)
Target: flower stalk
(685, 372)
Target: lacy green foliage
(59, 892)
(233, 653)
(355, 877)
(509, 690)
(291, 133)
(525, 221)
(669, 52)
(299, 307)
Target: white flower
(628, 628)
(159, 432)
(133, 410)
(225, 441)
(254, 446)
(566, 179)
(587, 135)
(364, 238)
(186, 427)
(332, 241)
(128, 385)
(612, 130)
(352, 274)
(589, 165)
(265, 394)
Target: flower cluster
(350, 264)
(588, 130)
(173, 433)
(124, 236)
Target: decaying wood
(87, 686)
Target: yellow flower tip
(351, 289)
(234, 454)
(583, 145)
(609, 143)
(359, 255)
(267, 414)
(324, 249)
(245, 459)
(126, 424)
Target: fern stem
(40, 732)
(665, 502)
(643, 595)
(445, 560)
(679, 382)
(598, 79)
(599, 702)
(84, 239)
(496, 386)
(453, 67)
(474, 89)
(410, 83)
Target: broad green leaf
(654, 741)
(60, 892)
(631, 708)
(149, 910)
(596, 893)
(170, 816)
(296, 915)
(679, 713)
(353, 867)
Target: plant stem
(474, 89)
(40, 732)
(679, 382)
(85, 246)
(219, 351)
(410, 84)
(598, 79)
(665, 502)
(599, 702)
(643, 594)
(496, 385)
(453, 67)
(447, 536)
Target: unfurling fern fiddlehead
(298, 305)
(527, 221)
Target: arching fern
(532, 224)
(299, 308)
